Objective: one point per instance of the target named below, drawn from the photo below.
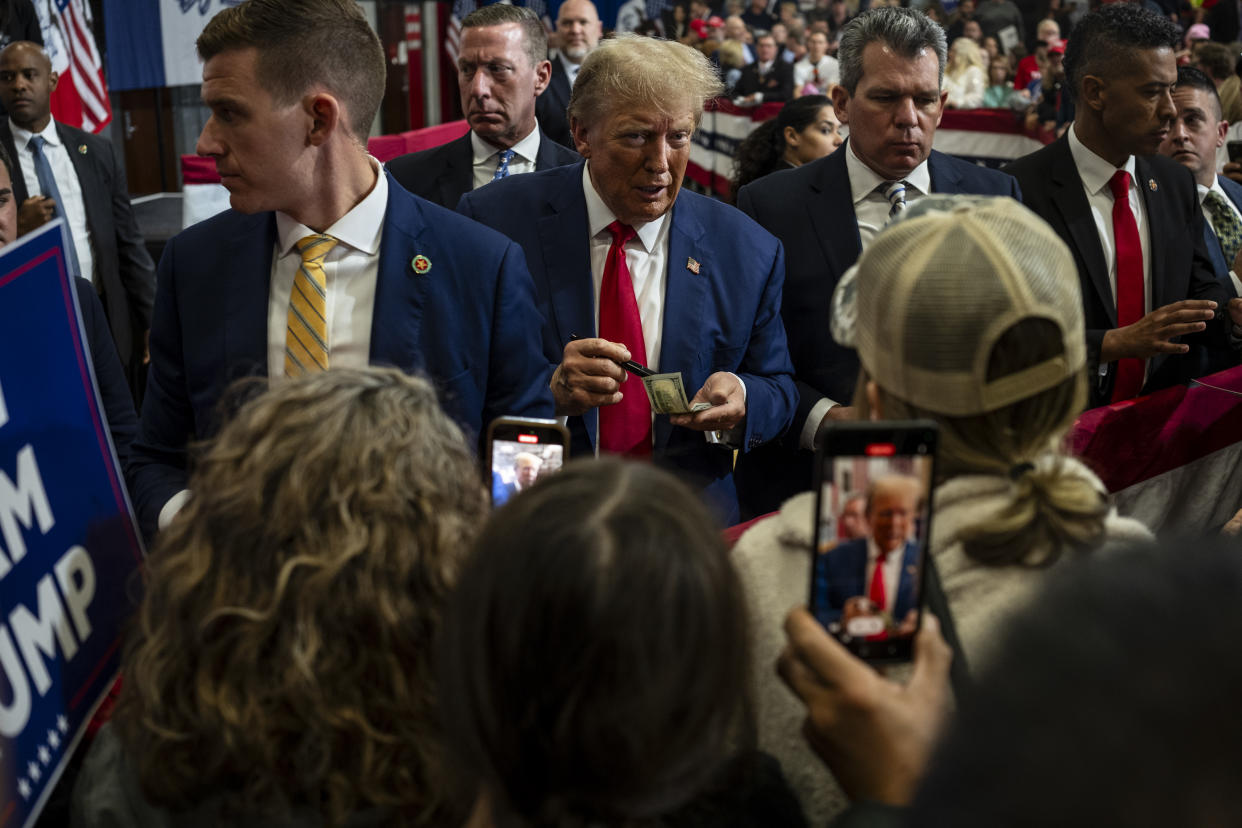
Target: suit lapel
(684, 295)
(944, 177)
(249, 279)
(566, 246)
(457, 179)
(396, 327)
(89, 180)
(1071, 202)
(545, 159)
(831, 211)
(1158, 215)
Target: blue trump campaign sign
(68, 545)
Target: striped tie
(895, 192)
(306, 340)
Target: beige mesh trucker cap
(928, 300)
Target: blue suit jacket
(841, 573)
(1219, 359)
(468, 323)
(811, 210)
(723, 318)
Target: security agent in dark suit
(1122, 71)
(827, 212)
(502, 69)
(323, 261)
(1197, 133)
(109, 375)
(578, 30)
(768, 80)
(87, 176)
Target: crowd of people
(337, 628)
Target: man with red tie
(669, 279)
(882, 567)
(1130, 217)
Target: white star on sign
(23, 788)
(33, 770)
(53, 739)
(62, 724)
(44, 755)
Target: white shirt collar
(1094, 171)
(360, 228)
(864, 180)
(1215, 188)
(571, 68)
(764, 68)
(526, 149)
(21, 137)
(599, 216)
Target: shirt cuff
(806, 438)
(172, 507)
(733, 437)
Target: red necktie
(624, 428)
(877, 593)
(1129, 281)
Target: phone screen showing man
(518, 463)
(872, 524)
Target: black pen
(630, 365)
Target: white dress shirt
(66, 181)
(487, 157)
(571, 68)
(892, 573)
(867, 192)
(871, 210)
(646, 256)
(829, 73)
(351, 269)
(1095, 173)
(1216, 188)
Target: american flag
(452, 40)
(81, 96)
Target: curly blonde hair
(281, 658)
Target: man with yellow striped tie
(323, 262)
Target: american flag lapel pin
(82, 148)
(693, 266)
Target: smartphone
(520, 450)
(1234, 148)
(873, 509)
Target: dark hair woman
(805, 129)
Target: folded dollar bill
(667, 394)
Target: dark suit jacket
(811, 210)
(551, 106)
(469, 323)
(776, 85)
(841, 574)
(124, 272)
(445, 173)
(118, 406)
(1218, 359)
(1181, 267)
(723, 318)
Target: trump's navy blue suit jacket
(724, 317)
(1218, 359)
(468, 322)
(841, 574)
